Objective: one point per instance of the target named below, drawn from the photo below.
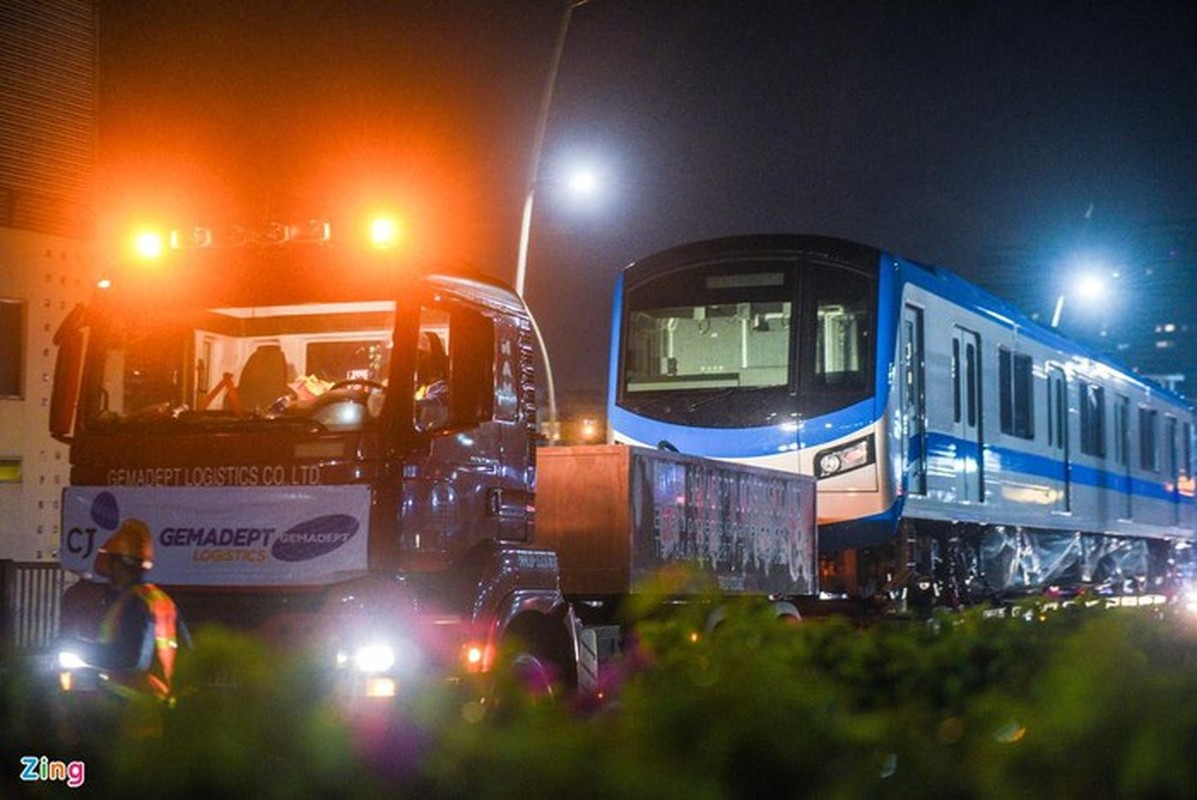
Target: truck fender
(545, 628)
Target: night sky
(943, 131)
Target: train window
(1093, 419)
(1149, 439)
(839, 350)
(1014, 377)
(1121, 430)
(971, 368)
(1186, 450)
(956, 380)
(1057, 409)
(709, 346)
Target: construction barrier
(30, 603)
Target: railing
(30, 603)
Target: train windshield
(748, 342)
(241, 366)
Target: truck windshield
(322, 364)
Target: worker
(432, 390)
(141, 630)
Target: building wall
(48, 124)
(49, 274)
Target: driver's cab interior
(321, 366)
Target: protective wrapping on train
(616, 515)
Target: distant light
(104, 283)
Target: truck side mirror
(71, 339)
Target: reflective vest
(152, 679)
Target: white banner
(276, 536)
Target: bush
(1070, 704)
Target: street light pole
(521, 264)
(1058, 311)
(546, 101)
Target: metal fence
(30, 603)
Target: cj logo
(106, 515)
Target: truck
(338, 450)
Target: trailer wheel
(787, 612)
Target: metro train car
(956, 442)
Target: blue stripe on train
(1040, 466)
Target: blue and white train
(954, 440)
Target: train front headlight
(845, 458)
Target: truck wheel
(530, 674)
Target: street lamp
(521, 264)
(584, 182)
(1088, 287)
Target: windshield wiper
(718, 394)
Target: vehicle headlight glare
(374, 658)
(70, 660)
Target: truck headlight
(398, 656)
(378, 669)
(374, 658)
(845, 458)
(68, 659)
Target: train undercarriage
(952, 565)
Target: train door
(1171, 470)
(1057, 437)
(914, 405)
(1122, 440)
(966, 375)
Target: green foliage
(719, 699)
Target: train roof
(957, 289)
(756, 244)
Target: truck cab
(332, 448)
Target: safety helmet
(132, 541)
